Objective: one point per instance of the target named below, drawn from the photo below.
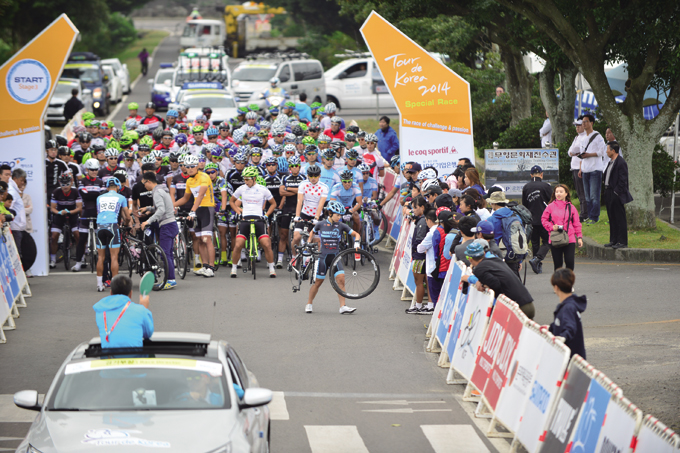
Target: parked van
(203, 33)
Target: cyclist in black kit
(65, 205)
(288, 189)
(90, 188)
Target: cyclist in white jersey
(312, 195)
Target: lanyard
(108, 332)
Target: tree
(643, 36)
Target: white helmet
(92, 164)
(156, 153)
(149, 159)
(330, 108)
(429, 183)
(274, 81)
(191, 160)
(427, 174)
(181, 158)
(111, 152)
(251, 115)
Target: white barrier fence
(13, 283)
(521, 377)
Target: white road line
(454, 439)
(402, 402)
(91, 274)
(406, 410)
(10, 413)
(277, 408)
(5, 439)
(335, 439)
(391, 396)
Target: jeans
(592, 184)
(165, 239)
(578, 183)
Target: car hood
(133, 431)
(248, 86)
(58, 100)
(160, 87)
(222, 114)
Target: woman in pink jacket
(561, 215)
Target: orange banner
(30, 77)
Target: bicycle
(182, 246)
(148, 257)
(376, 233)
(304, 263)
(91, 245)
(360, 281)
(251, 248)
(217, 240)
(274, 231)
(66, 244)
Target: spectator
(388, 143)
(164, 215)
(559, 216)
(592, 165)
(535, 197)
(574, 151)
(468, 207)
(546, 132)
(117, 330)
(144, 60)
(466, 225)
(472, 180)
(616, 195)
(72, 106)
(567, 323)
(500, 91)
(420, 206)
(484, 230)
(28, 208)
(5, 214)
(303, 109)
(609, 136)
(435, 264)
(480, 201)
(501, 209)
(489, 271)
(18, 225)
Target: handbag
(561, 238)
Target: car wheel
(334, 100)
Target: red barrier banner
(492, 341)
(499, 373)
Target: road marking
(406, 410)
(10, 413)
(277, 407)
(335, 439)
(387, 396)
(639, 323)
(402, 402)
(454, 439)
(586, 263)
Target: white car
(62, 93)
(349, 84)
(121, 71)
(222, 103)
(161, 87)
(115, 84)
(180, 392)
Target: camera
(560, 228)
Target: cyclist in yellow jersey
(203, 211)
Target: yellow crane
(236, 30)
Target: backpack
(514, 233)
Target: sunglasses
(366, 173)
(276, 153)
(191, 166)
(280, 135)
(129, 158)
(109, 158)
(65, 185)
(211, 172)
(272, 165)
(347, 181)
(314, 153)
(293, 166)
(351, 158)
(159, 158)
(256, 155)
(92, 169)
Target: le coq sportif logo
(28, 81)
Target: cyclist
(324, 142)
(54, 167)
(349, 194)
(289, 190)
(247, 201)
(370, 190)
(339, 148)
(256, 161)
(278, 133)
(329, 113)
(196, 140)
(313, 131)
(311, 157)
(350, 139)
(181, 139)
(352, 164)
(334, 131)
(330, 231)
(398, 182)
(361, 147)
(161, 170)
(312, 195)
(372, 156)
(166, 142)
(329, 175)
(106, 172)
(212, 133)
(222, 190)
(65, 204)
(251, 120)
(171, 119)
(90, 188)
(132, 112)
(131, 167)
(177, 190)
(289, 151)
(224, 137)
(109, 205)
(65, 156)
(152, 120)
(203, 210)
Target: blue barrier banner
(396, 227)
(10, 285)
(449, 302)
(591, 420)
(459, 310)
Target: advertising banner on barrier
(433, 101)
(619, 427)
(404, 273)
(490, 345)
(398, 220)
(474, 322)
(591, 418)
(30, 77)
(9, 283)
(651, 440)
(511, 168)
(16, 260)
(566, 410)
(499, 373)
(449, 292)
(456, 324)
(542, 394)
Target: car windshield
(88, 74)
(190, 30)
(64, 89)
(254, 73)
(210, 101)
(141, 384)
(163, 76)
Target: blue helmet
(395, 160)
(181, 139)
(336, 207)
(172, 113)
(113, 180)
(212, 132)
(256, 141)
(283, 164)
(217, 151)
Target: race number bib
(109, 206)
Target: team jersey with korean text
(345, 196)
(370, 186)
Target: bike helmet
(251, 115)
(432, 186)
(148, 160)
(121, 175)
(246, 129)
(253, 107)
(174, 156)
(91, 164)
(96, 148)
(181, 139)
(158, 133)
(313, 170)
(274, 81)
(289, 138)
(190, 160)
(181, 158)
(212, 132)
(363, 168)
(270, 160)
(116, 133)
(84, 137)
(224, 126)
(183, 127)
(309, 149)
(156, 153)
(242, 110)
(164, 133)
(238, 136)
(283, 163)
(336, 207)
(324, 139)
(346, 175)
(361, 134)
(353, 129)
(330, 108)
(395, 160)
(337, 145)
(173, 113)
(217, 151)
(314, 126)
(260, 180)
(352, 154)
(350, 137)
(211, 166)
(426, 174)
(135, 136)
(133, 106)
(308, 141)
(328, 154)
(88, 116)
(278, 129)
(240, 158)
(131, 124)
(274, 110)
(144, 147)
(256, 150)
(297, 131)
(256, 141)
(277, 150)
(264, 124)
(250, 172)
(65, 178)
(113, 181)
(111, 152)
(295, 160)
(371, 138)
(198, 129)
(290, 148)
(315, 105)
(336, 119)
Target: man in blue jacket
(388, 143)
(121, 322)
(501, 210)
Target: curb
(598, 251)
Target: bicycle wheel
(274, 236)
(253, 263)
(179, 252)
(158, 264)
(379, 232)
(125, 261)
(216, 245)
(358, 282)
(93, 250)
(66, 244)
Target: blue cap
(475, 250)
(536, 169)
(484, 227)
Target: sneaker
(413, 310)
(171, 284)
(308, 308)
(107, 283)
(234, 272)
(426, 311)
(224, 262)
(199, 271)
(272, 273)
(619, 246)
(76, 267)
(279, 263)
(53, 264)
(208, 272)
(239, 265)
(101, 288)
(535, 265)
(609, 244)
(345, 310)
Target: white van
(203, 33)
(349, 84)
(251, 78)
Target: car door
(356, 86)
(286, 78)
(386, 100)
(309, 79)
(251, 418)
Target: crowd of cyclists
(253, 169)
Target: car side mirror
(28, 399)
(256, 397)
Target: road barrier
(13, 283)
(521, 377)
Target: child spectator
(567, 323)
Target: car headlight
(96, 105)
(226, 448)
(97, 93)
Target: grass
(149, 40)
